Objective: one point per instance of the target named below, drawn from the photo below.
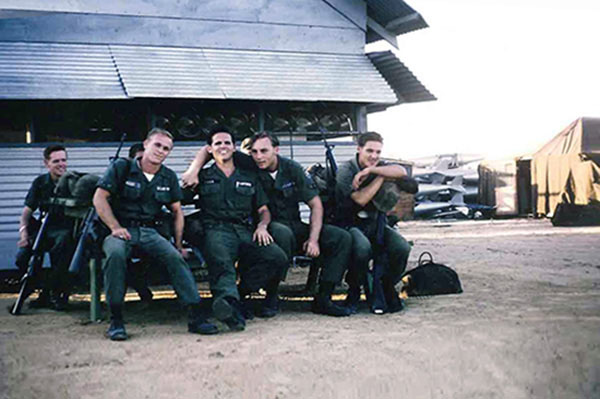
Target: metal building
(84, 72)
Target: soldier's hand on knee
(121, 233)
(311, 248)
(184, 252)
(262, 236)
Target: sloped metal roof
(66, 71)
(394, 15)
(256, 75)
(166, 72)
(298, 76)
(57, 71)
(405, 84)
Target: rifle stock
(79, 256)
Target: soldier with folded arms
(358, 181)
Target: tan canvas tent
(566, 169)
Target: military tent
(566, 170)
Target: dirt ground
(526, 326)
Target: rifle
(331, 175)
(35, 264)
(329, 158)
(88, 235)
(380, 264)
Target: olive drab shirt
(347, 211)
(291, 186)
(135, 198)
(41, 195)
(230, 199)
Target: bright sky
(508, 74)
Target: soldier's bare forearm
(264, 216)
(389, 171)
(316, 218)
(366, 194)
(104, 210)
(190, 176)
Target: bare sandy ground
(527, 326)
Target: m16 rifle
(325, 180)
(89, 233)
(28, 281)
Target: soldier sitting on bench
(286, 184)
(137, 190)
(57, 240)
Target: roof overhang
(406, 86)
(84, 71)
(394, 16)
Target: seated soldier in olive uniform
(286, 185)
(228, 198)
(137, 190)
(358, 181)
(58, 239)
(136, 270)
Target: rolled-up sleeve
(109, 180)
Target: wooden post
(95, 310)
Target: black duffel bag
(430, 278)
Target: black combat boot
(246, 305)
(392, 298)
(198, 322)
(352, 299)
(60, 302)
(228, 310)
(322, 303)
(42, 301)
(270, 306)
(116, 331)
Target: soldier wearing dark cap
(286, 185)
(129, 197)
(58, 238)
(358, 181)
(229, 197)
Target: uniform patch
(288, 185)
(209, 181)
(243, 184)
(134, 184)
(163, 188)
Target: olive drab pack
(75, 192)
